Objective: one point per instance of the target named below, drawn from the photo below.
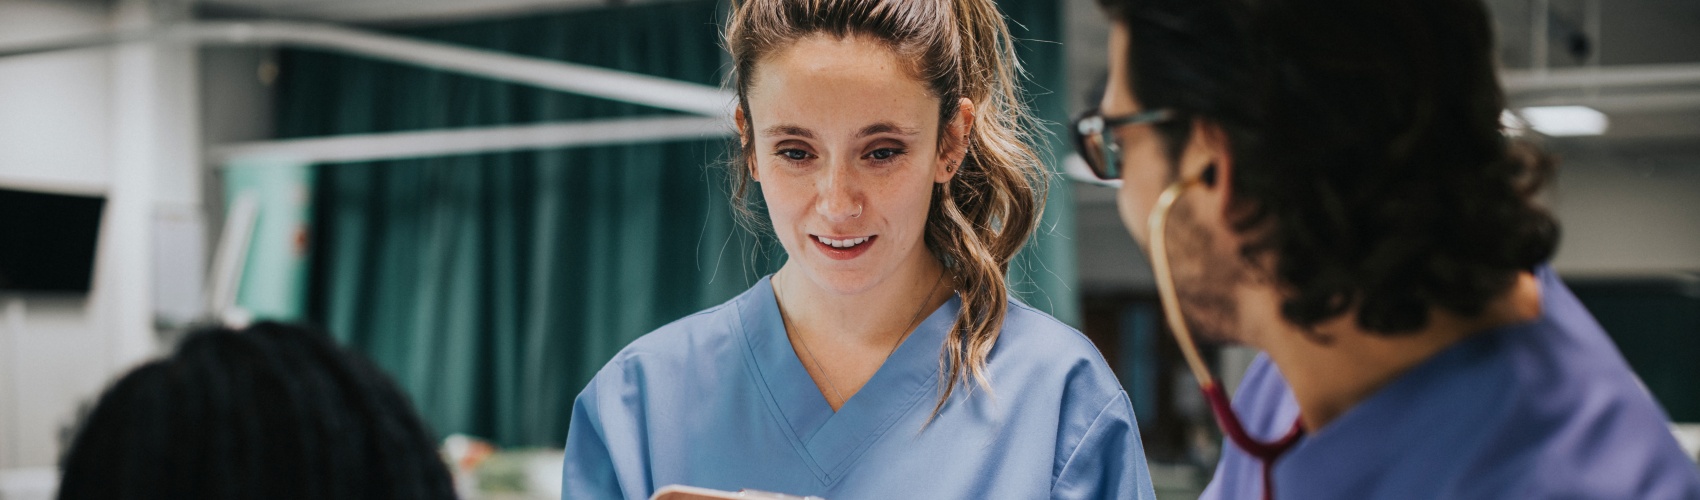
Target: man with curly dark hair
(1328, 181)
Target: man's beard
(1205, 281)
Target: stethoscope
(1265, 452)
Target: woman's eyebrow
(886, 128)
(877, 128)
(783, 129)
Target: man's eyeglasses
(1095, 139)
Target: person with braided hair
(269, 412)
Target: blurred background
(491, 197)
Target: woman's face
(846, 150)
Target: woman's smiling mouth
(844, 248)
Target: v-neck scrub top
(720, 400)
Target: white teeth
(842, 243)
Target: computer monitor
(47, 241)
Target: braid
(274, 412)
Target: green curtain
(493, 286)
(1045, 273)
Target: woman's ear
(953, 147)
(744, 155)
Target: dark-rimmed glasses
(1094, 138)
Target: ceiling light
(1565, 121)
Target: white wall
(1628, 207)
(54, 108)
(120, 122)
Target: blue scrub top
(1546, 409)
(719, 400)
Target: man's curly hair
(1367, 146)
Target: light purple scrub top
(1546, 409)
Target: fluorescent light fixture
(1565, 121)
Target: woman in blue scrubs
(885, 359)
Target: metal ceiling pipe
(546, 73)
(434, 143)
(1604, 77)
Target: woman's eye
(883, 154)
(794, 154)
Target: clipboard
(682, 492)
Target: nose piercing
(858, 211)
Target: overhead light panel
(1565, 121)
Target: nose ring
(858, 211)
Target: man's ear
(744, 136)
(953, 147)
(1216, 160)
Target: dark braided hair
(1367, 145)
(271, 412)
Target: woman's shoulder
(1039, 334)
(697, 338)
(1036, 345)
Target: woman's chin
(839, 280)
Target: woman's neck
(878, 316)
(842, 339)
